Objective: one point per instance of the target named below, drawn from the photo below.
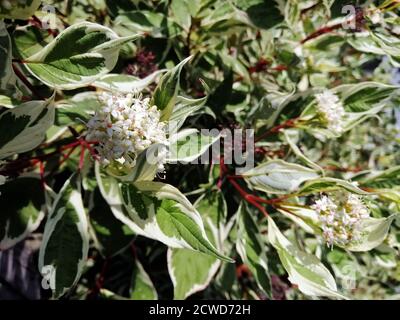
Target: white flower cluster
(124, 127)
(340, 216)
(331, 110)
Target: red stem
(248, 197)
(41, 170)
(287, 124)
(81, 157)
(359, 20)
(321, 31)
(99, 281)
(20, 164)
(245, 195)
(66, 156)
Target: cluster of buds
(143, 65)
(331, 111)
(340, 216)
(126, 126)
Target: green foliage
(317, 214)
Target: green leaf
(157, 211)
(7, 76)
(144, 169)
(164, 214)
(306, 218)
(390, 44)
(181, 12)
(264, 14)
(270, 107)
(24, 127)
(29, 40)
(154, 23)
(364, 96)
(292, 13)
(184, 108)
(77, 56)
(166, 93)
(330, 184)
(106, 294)
(365, 43)
(192, 271)
(289, 135)
(19, 10)
(344, 265)
(66, 239)
(384, 179)
(373, 232)
(251, 249)
(304, 269)
(78, 108)
(277, 176)
(7, 102)
(110, 191)
(111, 235)
(141, 286)
(377, 43)
(23, 208)
(223, 19)
(125, 83)
(188, 145)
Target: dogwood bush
(103, 148)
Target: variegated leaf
(65, 244)
(12, 9)
(24, 127)
(23, 208)
(166, 93)
(251, 249)
(164, 214)
(157, 211)
(126, 83)
(188, 145)
(277, 176)
(192, 271)
(373, 233)
(304, 269)
(141, 286)
(77, 57)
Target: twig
(253, 200)
(287, 124)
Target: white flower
(124, 127)
(376, 17)
(330, 110)
(340, 216)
